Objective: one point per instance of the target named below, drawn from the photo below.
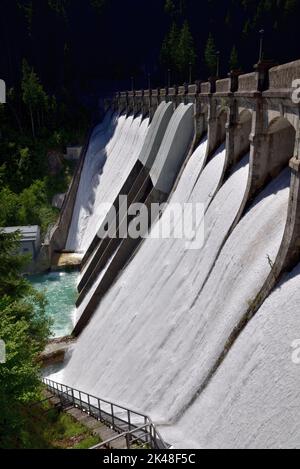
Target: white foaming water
(181, 194)
(253, 399)
(103, 138)
(115, 174)
(147, 313)
(232, 286)
(110, 158)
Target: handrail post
(129, 425)
(113, 417)
(155, 438)
(89, 403)
(128, 441)
(129, 420)
(152, 436)
(146, 430)
(99, 407)
(73, 397)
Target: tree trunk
(14, 112)
(32, 122)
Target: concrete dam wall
(199, 339)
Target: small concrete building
(73, 153)
(30, 239)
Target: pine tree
(211, 55)
(186, 49)
(99, 5)
(33, 94)
(170, 8)
(169, 51)
(234, 61)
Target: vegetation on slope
(35, 128)
(24, 329)
(48, 428)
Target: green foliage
(211, 55)
(99, 5)
(175, 8)
(234, 60)
(27, 7)
(178, 49)
(170, 8)
(26, 187)
(169, 52)
(25, 330)
(34, 96)
(186, 49)
(46, 428)
(59, 6)
(30, 207)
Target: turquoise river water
(61, 294)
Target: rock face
(55, 351)
(55, 162)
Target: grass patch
(47, 428)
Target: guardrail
(133, 426)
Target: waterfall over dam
(198, 339)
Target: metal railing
(132, 438)
(135, 427)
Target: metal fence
(135, 427)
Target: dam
(199, 340)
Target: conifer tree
(186, 49)
(33, 94)
(211, 55)
(169, 53)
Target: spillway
(111, 154)
(175, 330)
(252, 402)
(104, 135)
(147, 314)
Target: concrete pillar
(232, 125)
(151, 107)
(199, 116)
(163, 95)
(130, 102)
(123, 102)
(138, 102)
(251, 86)
(262, 74)
(182, 97)
(115, 103)
(231, 133)
(155, 100)
(212, 128)
(173, 95)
